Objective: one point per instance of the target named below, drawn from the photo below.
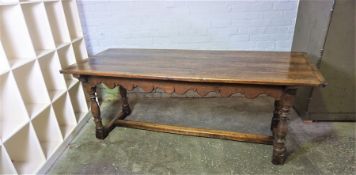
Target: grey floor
(313, 148)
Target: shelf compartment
(32, 88)
(80, 50)
(65, 115)
(66, 56)
(54, 81)
(57, 23)
(13, 113)
(25, 151)
(48, 132)
(6, 166)
(70, 81)
(39, 29)
(15, 37)
(4, 65)
(78, 100)
(72, 17)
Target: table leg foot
(279, 150)
(278, 159)
(101, 134)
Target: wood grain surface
(241, 67)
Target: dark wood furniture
(276, 74)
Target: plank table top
(239, 67)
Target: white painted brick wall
(219, 25)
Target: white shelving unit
(39, 107)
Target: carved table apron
(283, 92)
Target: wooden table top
(240, 67)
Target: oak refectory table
(276, 74)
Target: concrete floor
(313, 148)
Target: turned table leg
(274, 122)
(281, 127)
(101, 132)
(99, 94)
(126, 110)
